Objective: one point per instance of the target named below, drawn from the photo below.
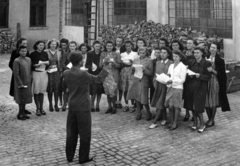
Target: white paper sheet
(162, 78)
(83, 68)
(42, 67)
(138, 71)
(52, 70)
(94, 67)
(191, 73)
(69, 65)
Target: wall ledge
(38, 28)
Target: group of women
(196, 78)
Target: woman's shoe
(21, 117)
(93, 110)
(50, 108)
(114, 111)
(97, 110)
(173, 127)
(132, 109)
(210, 125)
(149, 117)
(201, 130)
(38, 113)
(26, 117)
(125, 109)
(109, 110)
(139, 117)
(168, 126)
(152, 126)
(64, 108)
(194, 127)
(164, 122)
(43, 112)
(56, 108)
(120, 106)
(186, 118)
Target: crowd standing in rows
(196, 81)
(204, 91)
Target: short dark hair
(119, 37)
(84, 45)
(21, 47)
(168, 51)
(217, 44)
(19, 42)
(72, 42)
(143, 40)
(96, 42)
(179, 53)
(194, 41)
(158, 48)
(165, 41)
(75, 57)
(179, 43)
(37, 43)
(109, 42)
(200, 49)
(63, 40)
(50, 42)
(128, 42)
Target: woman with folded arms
(139, 90)
(40, 61)
(216, 94)
(177, 72)
(159, 96)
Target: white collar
(53, 52)
(165, 61)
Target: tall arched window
(4, 7)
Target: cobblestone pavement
(117, 140)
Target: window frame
(38, 5)
(6, 4)
(208, 15)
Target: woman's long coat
(222, 80)
(196, 88)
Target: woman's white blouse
(178, 75)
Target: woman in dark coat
(92, 64)
(216, 95)
(14, 55)
(22, 82)
(197, 87)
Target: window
(4, 13)
(38, 13)
(75, 13)
(213, 17)
(123, 11)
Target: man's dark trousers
(78, 123)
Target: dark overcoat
(196, 88)
(222, 80)
(14, 55)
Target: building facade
(80, 20)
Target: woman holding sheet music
(177, 73)
(197, 88)
(54, 71)
(140, 88)
(40, 61)
(159, 96)
(111, 82)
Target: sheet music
(138, 71)
(162, 78)
(191, 73)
